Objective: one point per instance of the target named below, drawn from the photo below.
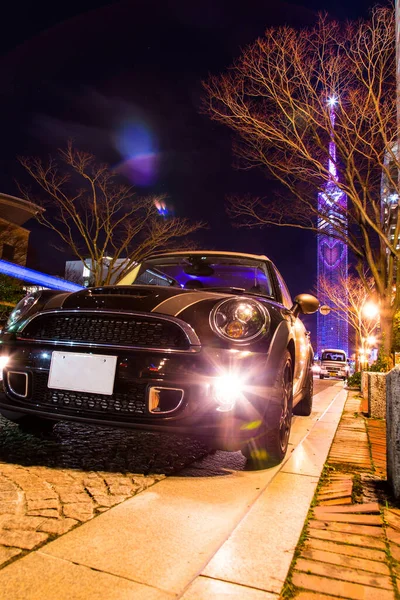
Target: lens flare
(135, 143)
(227, 389)
(161, 207)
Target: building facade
(78, 272)
(14, 213)
(332, 254)
(390, 197)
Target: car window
(335, 356)
(286, 297)
(208, 272)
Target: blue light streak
(37, 278)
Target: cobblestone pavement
(52, 483)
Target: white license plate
(78, 372)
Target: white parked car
(333, 364)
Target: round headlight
(22, 308)
(239, 320)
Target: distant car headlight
(239, 320)
(22, 308)
(316, 369)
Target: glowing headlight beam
(227, 389)
(37, 278)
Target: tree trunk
(386, 322)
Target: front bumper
(138, 372)
(332, 373)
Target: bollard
(377, 395)
(393, 429)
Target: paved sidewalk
(196, 536)
(350, 546)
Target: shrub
(382, 363)
(354, 380)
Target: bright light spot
(332, 101)
(44, 355)
(3, 363)
(371, 340)
(244, 312)
(371, 310)
(316, 369)
(227, 391)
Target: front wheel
(269, 446)
(304, 407)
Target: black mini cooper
(201, 343)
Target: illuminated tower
(332, 331)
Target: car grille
(114, 330)
(132, 402)
(333, 368)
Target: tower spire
(332, 253)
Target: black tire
(29, 423)
(269, 446)
(304, 407)
(321, 376)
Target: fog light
(3, 363)
(227, 390)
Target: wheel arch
(292, 351)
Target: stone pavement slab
(42, 577)
(265, 540)
(343, 560)
(372, 507)
(164, 536)
(205, 588)
(341, 589)
(345, 549)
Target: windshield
(194, 271)
(332, 355)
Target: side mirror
(306, 304)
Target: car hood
(165, 300)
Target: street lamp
(370, 310)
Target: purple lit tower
(332, 332)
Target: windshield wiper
(235, 290)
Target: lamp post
(369, 312)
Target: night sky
(125, 77)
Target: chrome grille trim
(188, 331)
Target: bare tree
(100, 219)
(348, 299)
(275, 99)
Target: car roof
(211, 252)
